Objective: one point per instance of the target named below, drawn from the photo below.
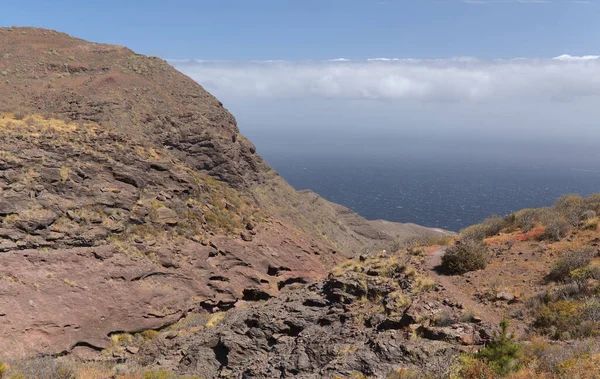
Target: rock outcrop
(370, 317)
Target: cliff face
(141, 99)
(128, 198)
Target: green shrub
(502, 353)
(472, 368)
(593, 202)
(469, 255)
(489, 227)
(589, 214)
(567, 319)
(590, 224)
(568, 262)
(444, 318)
(570, 207)
(526, 219)
(555, 229)
(47, 368)
(475, 232)
(161, 374)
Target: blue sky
(463, 90)
(323, 29)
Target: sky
(514, 80)
(323, 29)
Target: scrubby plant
(571, 208)
(589, 214)
(467, 315)
(503, 352)
(555, 227)
(160, 374)
(593, 202)
(47, 368)
(470, 367)
(581, 276)
(589, 224)
(567, 319)
(568, 262)
(469, 255)
(487, 228)
(526, 219)
(444, 318)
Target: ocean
(444, 194)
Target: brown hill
(128, 198)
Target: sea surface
(443, 194)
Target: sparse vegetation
(503, 352)
(489, 227)
(569, 212)
(47, 368)
(444, 318)
(467, 256)
(556, 229)
(568, 262)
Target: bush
(489, 227)
(562, 319)
(444, 318)
(551, 357)
(526, 219)
(47, 368)
(590, 224)
(571, 207)
(161, 374)
(593, 202)
(503, 353)
(475, 232)
(589, 214)
(473, 368)
(568, 262)
(555, 229)
(467, 256)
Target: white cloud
(566, 57)
(464, 79)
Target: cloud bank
(464, 79)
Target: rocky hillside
(129, 199)
(514, 296)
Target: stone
(7, 245)
(166, 216)
(505, 296)
(246, 237)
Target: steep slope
(128, 198)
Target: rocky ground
(371, 316)
(395, 314)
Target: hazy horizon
(525, 111)
(443, 143)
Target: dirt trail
(457, 289)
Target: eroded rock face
(139, 97)
(369, 319)
(53, 301)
